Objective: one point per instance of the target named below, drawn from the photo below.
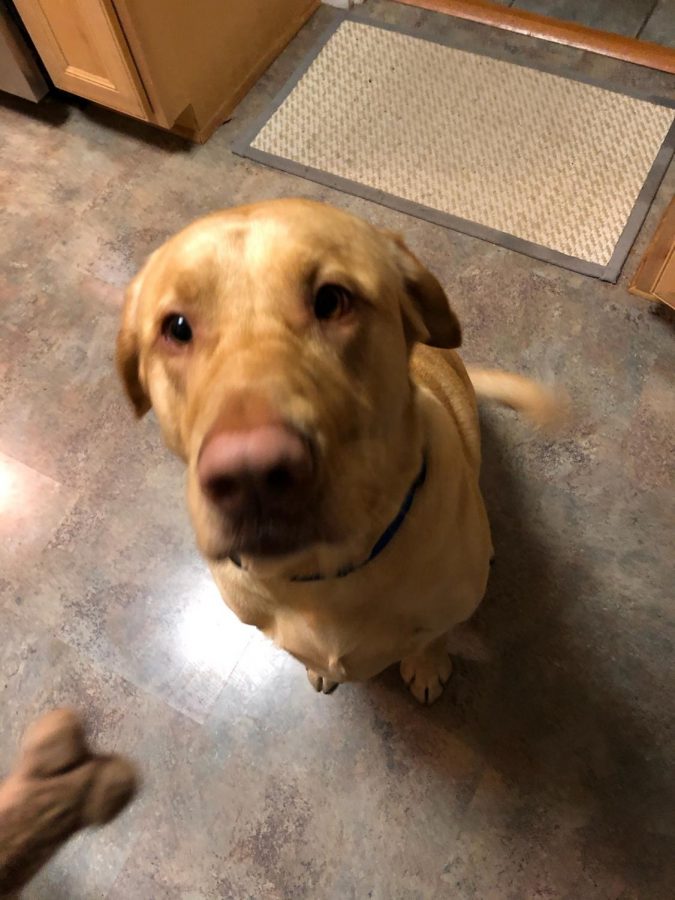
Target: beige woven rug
(547, 165)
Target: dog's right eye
(176, 328)
(332, 301)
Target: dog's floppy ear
(426, 312)
(128, 349)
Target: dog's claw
(321, 684)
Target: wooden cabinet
(655, 276)
(664, 287)
(180, 64)
(84, 50)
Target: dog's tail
(545, 407)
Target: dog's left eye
(177, 328)
(332, 301)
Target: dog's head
(272, 342)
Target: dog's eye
(177, 328)
(331, 301)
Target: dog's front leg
(427, 672)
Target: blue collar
(385, 538)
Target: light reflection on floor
(31, 504)
(8, 486)
(208, 633)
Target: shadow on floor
(140, 131)
(58, 107)
(566, 736)
(664, 313)
(50, 111)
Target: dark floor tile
(628, 78)
(660, 26)
(472, 36)
(618, 16)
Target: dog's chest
(342, 649)
(351, 631)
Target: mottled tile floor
(546, 771)
(626, 17)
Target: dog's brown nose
(254, 470)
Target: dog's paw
(427, 674)
(320, 683)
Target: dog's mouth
(270, 538)
(264, 536)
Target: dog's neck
(383, 541)
(399, 485)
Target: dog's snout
(250, 471)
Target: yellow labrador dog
(332, 455)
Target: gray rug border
(242, 146)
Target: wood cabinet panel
(84, 51)
(655, 276)
(206, 54)
(664, 288)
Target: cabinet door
(83, 48)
